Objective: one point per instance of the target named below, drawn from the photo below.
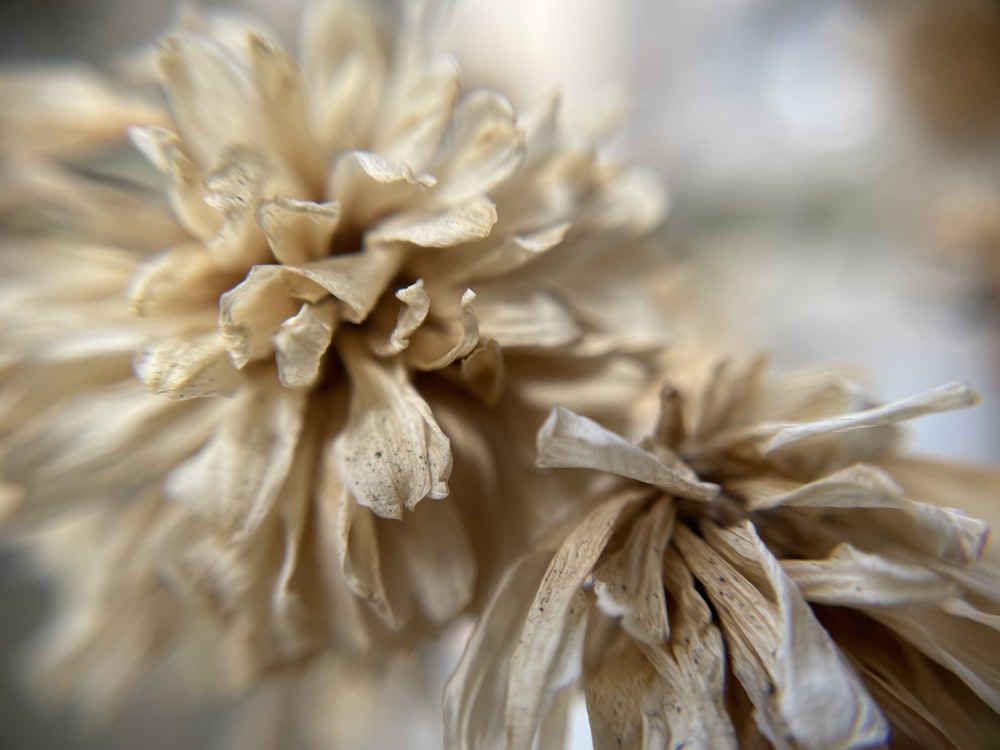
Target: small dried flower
(382, 273)
(769, 571)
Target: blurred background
(832, 167)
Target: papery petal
(458, 223)
(525, 317)
(549, 652)
(852, 578)
(945, 398)
(478, 684)
(186, 192)
(692, 665)
(629, 581)
(191, 366)
(301, 342)
(416, 305)
(298, 231)
(433, 349)
(182, 280)
(391, 453)
(805, 695)
(236, 478)
(569, 440)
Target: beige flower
(384, 275)
(768, 571)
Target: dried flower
(384, 274)
(768, 571)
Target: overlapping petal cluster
(350, 306)
(769, 570)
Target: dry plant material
(294, 396)
(722, 594)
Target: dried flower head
(382, 273)
(768, 571)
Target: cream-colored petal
(417, 111)
(345, 51)
(67, 463)
(179, 281)
(463, 222)
(485, 146)
(186, 189)
(515, 316)
(628, 582)
(359, 553)
(298, 231)
(515, 251)
(391, 453)
(805, 694)
(236, 478)
(478, 684)
(416, 305)
(549, 652)
(301, 342)
(211, 94)
(569, 440)
(192, 366)
(67, 110)
(369, 186)
(852, 578)
(433, 549)
(433, 349)
(945, 398)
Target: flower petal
(301, 342)
(569, 440)
(298, 231)
(183, 367)
(458, 223)
(548, 655)
(791, 670)
(391, 453)
(236, 478)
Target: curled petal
(426, 352)
(569, 440)
(416, 306)
(301, 341)
(391, 453)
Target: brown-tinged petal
(236, 478)
(391, 453)
(192, 366)
(569, 440)
(692, 665)
(483, 371)
(549, 652)
(852, 578)
(792, 672)
(945, 398)
(478, 684)
(301, 342)
(941, 533)
(298, 231)
(186, 189)
(454, 225)
(628, 582)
